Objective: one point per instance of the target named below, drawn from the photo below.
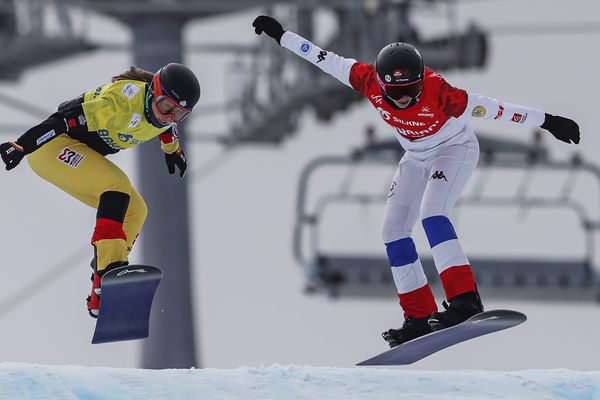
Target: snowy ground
(26, 381)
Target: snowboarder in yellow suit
(68, 150)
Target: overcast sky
(249, 202)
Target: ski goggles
(167, 106)
(396, 91)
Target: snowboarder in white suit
(432, 122)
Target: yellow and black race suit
(68, 150)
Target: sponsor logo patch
(70, 157)
(305, 48)
(377, 99)
(520, 118)
(392, 187)
(500, 112)
(45, 137)
(401, 74)
(385, 114)
(81, 119)
(130, 90)
(479, 111)
(105, 136)
(135, 120)
(425, 112)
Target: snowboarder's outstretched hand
(268, 25)
(12, 154)
(562, 128)
(177, 158)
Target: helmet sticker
(388, 78)
(402, 73)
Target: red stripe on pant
(419, 303)
(108, 229)
(458, 280)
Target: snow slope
(26, 381)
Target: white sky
(250, 307)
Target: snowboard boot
(93, 300)
(461, 308)
(412, 328)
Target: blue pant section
(438, 230)
(401, 252)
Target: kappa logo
(70, 157)
(129, 271)
(321, 56)
(438, 175)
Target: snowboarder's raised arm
(562, 128)
(331, 63)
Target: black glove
(177, 158)
(12, 154)
(562, 128)
(268, 25)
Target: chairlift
(348, 274)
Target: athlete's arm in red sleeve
(169, 141)
(453, 101)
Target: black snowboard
(125, 302)
(421, 347)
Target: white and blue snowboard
(421, 347)
(126, 300)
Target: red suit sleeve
(452, 100)
(360, 75)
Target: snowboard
(421, 347)
(125, 303)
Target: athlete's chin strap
(148, 108)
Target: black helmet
(178, 83)
(399, 68)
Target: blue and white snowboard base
(125, 303)
(421, 347)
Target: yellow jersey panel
(116, 112)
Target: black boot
(411, 329)
(461, 308)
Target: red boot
(93, 300)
